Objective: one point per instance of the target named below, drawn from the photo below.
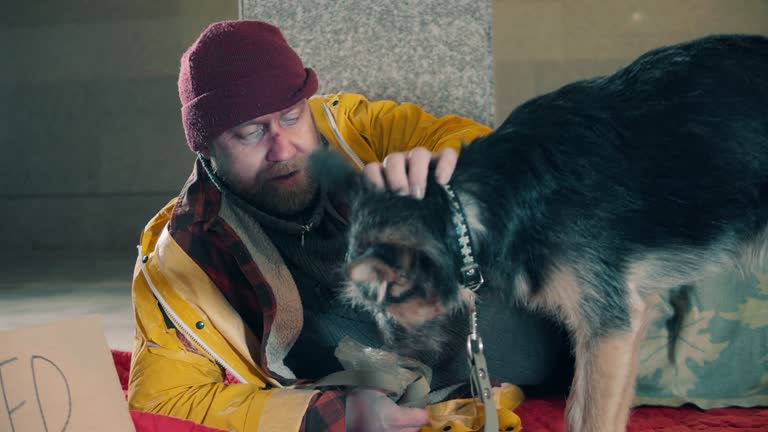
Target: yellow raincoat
(172, 296)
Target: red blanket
(536, 415)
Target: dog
(584, 201)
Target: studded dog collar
(471, 277)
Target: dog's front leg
(604, 378)
(599, 384)
(641, 317)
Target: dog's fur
(582, 202)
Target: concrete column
(435, 53)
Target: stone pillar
(435, 53)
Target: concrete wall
(539, 45)
(91, 135)
(436, 53)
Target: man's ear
(335, 174)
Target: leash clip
(479, 379)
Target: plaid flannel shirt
(220, 253)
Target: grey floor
(46, 288)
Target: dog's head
(399, 262)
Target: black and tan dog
(582, 202)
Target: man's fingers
(407, 418)
(446, 164)
(395, 175)
(369, 410)
(418, 168)
(375, 175)
(406, 174)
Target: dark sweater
(314, 262)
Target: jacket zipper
(183, 327)
(305, 229)
(347, 149)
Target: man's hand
(406, 173)
(371, 411)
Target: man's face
(264, 160)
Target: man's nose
(281, 148)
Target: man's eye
(289, 121)
(252, 134)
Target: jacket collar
(199, 201)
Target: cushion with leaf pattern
(719, 356)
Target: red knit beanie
(237, 71)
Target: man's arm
(175, 379)
(174, 382)
(406, 139)
(172, 375)
(402, 127)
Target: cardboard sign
(60, 377)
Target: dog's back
(669, 154)
(609, 187)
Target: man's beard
(271, 198)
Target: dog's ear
(335, 174)
(388, 268)
(370, 269)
